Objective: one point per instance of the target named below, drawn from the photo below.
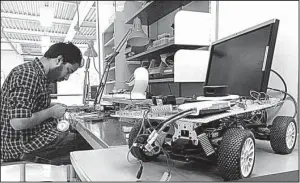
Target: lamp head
(90, 52)
(137, 37)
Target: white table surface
(111, 165)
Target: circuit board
(236, 110)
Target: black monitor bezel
(268, 61)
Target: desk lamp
(134, 37)
(90, 52)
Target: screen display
(239, 62)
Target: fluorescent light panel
(46, 16)
(45, 41)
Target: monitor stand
(229, 97)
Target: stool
(70, 171)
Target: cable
(285, 86)
(168, 158)
(293, 99)
(95, 65)
(285, 92)
(180, 114)
(138, 135)
(170, 89)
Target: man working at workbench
(28, 119)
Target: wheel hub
(290, 135)
(247, 157)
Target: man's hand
(58, 110)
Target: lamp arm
(109, 61)
(123, 41)
(103, 80)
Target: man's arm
(35, 119)
(22, 96)
(57, 111)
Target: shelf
(163, 80)
(170, 47)
(156, 10)
(110, 82)
(108, 55)
(110, 42)
(110, 28)
(133, 62)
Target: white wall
(235, 16)
(9, 60)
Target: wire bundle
(143, 127)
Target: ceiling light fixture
(46, 16)
(45, 40)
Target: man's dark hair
(69, 51)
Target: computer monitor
(243, 60)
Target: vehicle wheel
(136, 151)
(236, 155)
(283, 134)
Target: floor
(38, 172)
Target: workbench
(101, 135)
(111, 165)
(108, 161)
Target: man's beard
(54, 74)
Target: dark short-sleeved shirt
(25, 91)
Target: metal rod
(103, 79)
(98, 31)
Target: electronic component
(164, 100)
(160, 42)
(243, 60)
(161, 109)
(63, 125)
(215, 91)
(206, 107)
(169, 99)
(164, 35)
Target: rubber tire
(135, 151)
(229, 153)
(278, 134)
